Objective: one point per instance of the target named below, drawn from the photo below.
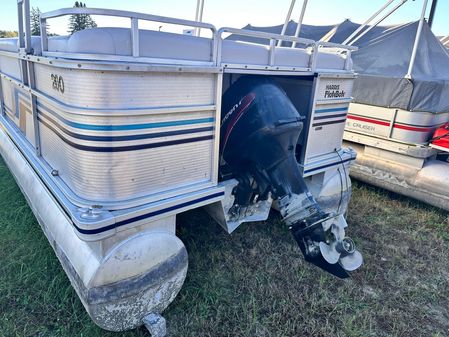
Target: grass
(255, 281)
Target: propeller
(342, 251)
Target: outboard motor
(260, 129)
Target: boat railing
(216, 46)
(273, 46)
(24, 29)
(134, 18)
(339, 48)
(272, 37)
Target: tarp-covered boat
(401, 98)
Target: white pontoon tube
(109, 138)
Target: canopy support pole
(394, 9)
(445, 40)
(417, 38)
(301, 17)
(199, 15)
(287, 19)
(388, 3)
(432, 12)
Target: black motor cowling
(259, 133)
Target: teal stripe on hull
(331, 110)
(127, 127)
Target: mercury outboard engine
(259, 133)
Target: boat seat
(154, 44)
(56, 43)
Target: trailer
(112, 132)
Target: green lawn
(253, 282)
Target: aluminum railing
(135, 17)
(274, 38)
(134, 21)
(24, 31)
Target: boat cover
(382, 62)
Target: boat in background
(400, 100)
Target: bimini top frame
(445, 41)
(363, 29)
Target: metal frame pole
(394, 9)
(2, 108)
(44, 38)
(388, 3)
(34, 111)
(432, 12)
(417, 38)
(199, 15)
(287, 19)
(444, 39)
(301, 17)
(27, 23)
(135, 37)
(27, 66)
(20, 23)
(24, 30)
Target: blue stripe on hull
(331, 110)
(127, 127)
(124, 148)
(122, 138)
(329, 116)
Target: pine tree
(35, 23)
(79, 22)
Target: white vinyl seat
(56, 43)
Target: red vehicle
(440, 139)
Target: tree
(6, 33)
(35, 21)
(79, 22)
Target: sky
(234, 13)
